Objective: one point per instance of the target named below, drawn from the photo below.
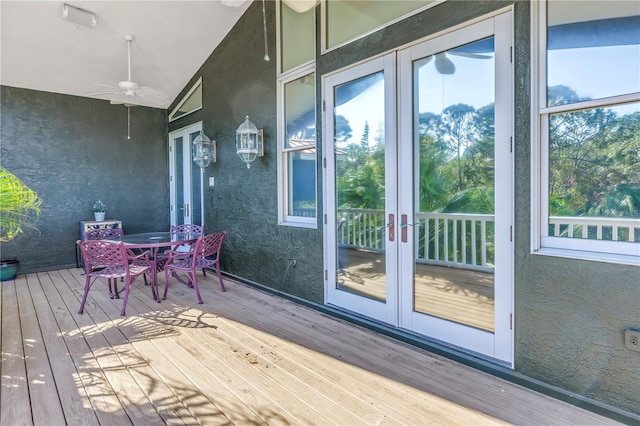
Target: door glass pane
(454, 185)
(196, 186)
(179, 177)
(359, 149)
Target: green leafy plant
(19, 206)
(99, 206)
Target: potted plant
(99, 211)
(19, 207)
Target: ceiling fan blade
(110, 86)
(469, 55)
(444, 64)
(103, 93)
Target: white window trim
(323, 25)
(283, 169)
(541, 242)
(296, 68)
(184, 99)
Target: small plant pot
(8, 269)
(98, 216)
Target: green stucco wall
(568, 314)
(73, 151)
(236, 82)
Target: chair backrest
(102, 233)
(187, 228)
(103, 253)
(211, 244)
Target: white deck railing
(466, 240)
(593, 228)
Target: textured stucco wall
(569, 314)
(73, 151)
(237, 82)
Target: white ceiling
(39, 50)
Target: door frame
(382, 311)
(478, 341)
(498, 344)
(187, 175)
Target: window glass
(299, 146)
(297, 37)
(190, 103)
(302, 183)
(590, 130)
(300, 113)
(593, 49)
(594, 173)
(348, 19)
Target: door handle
(403, 227)
(392, 228)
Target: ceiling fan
(129, 92)
(444, 65)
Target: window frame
(541, 242)
(196, 85)
(284, 218)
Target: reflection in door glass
(454, 183)
(196, 187)
(359, 149)
(179, 176)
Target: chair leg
(194, 281)
(204, 272)
(217, 266)
(87, 285)
(166, 283)
(127, 288)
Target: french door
(419, 188)
(186, 184)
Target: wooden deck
(460, 295)
(243, 357)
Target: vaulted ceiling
(42, 51)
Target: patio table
(154, 241)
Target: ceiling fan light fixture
(301, 6)
(79, 16)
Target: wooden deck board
(242, 357)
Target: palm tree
(19, 206)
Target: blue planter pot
(8, 269)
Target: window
(586, 161)
(347, 20)
(191, 102)
(297, 40)
(298, 150)
(297, 195)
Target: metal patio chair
(187, 263)
(101, 234)
(114, 262)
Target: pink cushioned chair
(187, 263)
(114, 261)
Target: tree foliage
(594, 162)
(19, 205)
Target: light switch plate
(211, 180)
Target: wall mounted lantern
(204, 150)
(249, 142)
